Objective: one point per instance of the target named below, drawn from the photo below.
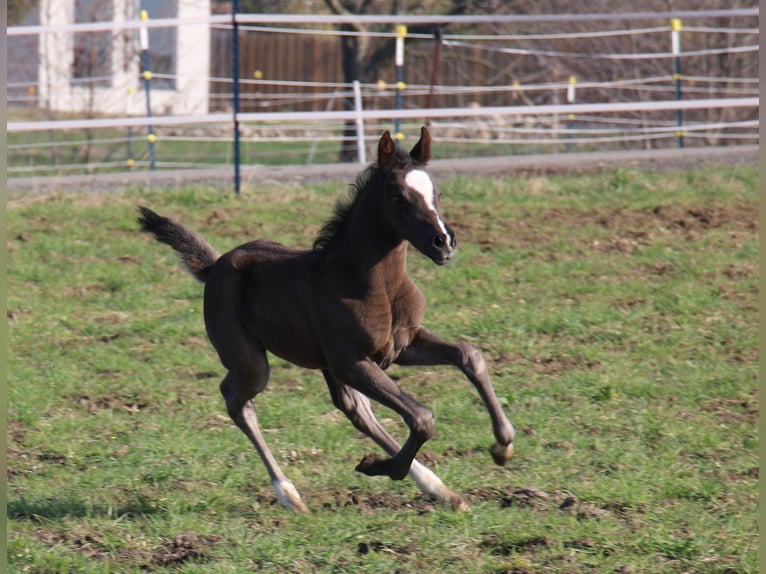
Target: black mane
(345, 204)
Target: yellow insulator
(257, 74)
(147, 75)
(400, 85)
(151, 138)
(399, 136)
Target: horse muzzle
(443, 247)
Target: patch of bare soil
(628, 229)
(530, 545)
(692, 222)
(20, 459)
(95, 405)
(183, 548)
(508, 497)
(535, 498)
(370, 501)
(78, 539)
(170, 552)
(733, 410)
(532, 497)
(16, 431)
(639, 225)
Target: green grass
(618, 313)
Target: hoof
(288, 496)
(502, 454)
(373, 465)
(299, 507)
(457, 503)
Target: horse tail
(195, 254)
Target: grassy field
(618, 314)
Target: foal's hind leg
(238, 393)
(428, 349)
(357, 408)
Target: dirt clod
(506, 548)
(183, 548)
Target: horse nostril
(440, 240)
(453, 242)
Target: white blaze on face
(419, 181)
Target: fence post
(675, 38)
(143, 36)
(361, 152)
(401, 33)
(235, 89)
(570, 117)
(129, 161)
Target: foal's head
(411, 198)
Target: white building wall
(125, 95)
(192, 62)
(55, 69)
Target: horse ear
(422, 150)
(386, 152)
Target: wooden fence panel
(304, 58)
(278, 58)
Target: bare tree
(362, 56)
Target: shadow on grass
(57, 508)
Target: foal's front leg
(368, 378)
(428, 349)
(357, 408)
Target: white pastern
(420, 181)
(432, 485)
(288, 495)
(428, 482)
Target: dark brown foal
(346, 307)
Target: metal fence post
(675, 38)
(401, 33)
(143, 36)
(235, 89)
(570, 117)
